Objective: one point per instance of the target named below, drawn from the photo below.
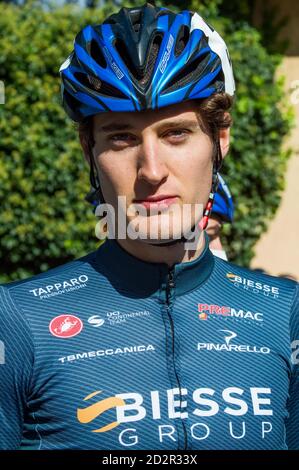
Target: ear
(224, 140)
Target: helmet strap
(209, 206)
(96, 192)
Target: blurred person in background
(222, 212)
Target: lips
(157, 201)
(157, 198)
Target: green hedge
(43, 177)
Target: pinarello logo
(65, 326)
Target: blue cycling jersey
(110, 352)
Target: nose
(151, 166)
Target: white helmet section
(66, 63)
(218, 46)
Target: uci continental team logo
(91, 412)
(65, 326)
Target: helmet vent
(142, 75)
(182, 40)
(154, 52)
(99, 86)
(95, 82)
(189, 74)
(124, 55)
(135, 17)
(96, 53)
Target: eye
(122, 140)
(122, 137)
(178, 132)
(176, 135)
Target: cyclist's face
(153, 153)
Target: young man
(145, 343)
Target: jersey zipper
(169, 286)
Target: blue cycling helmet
(223, 206)
(144, 58)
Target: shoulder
(54, 279)
(256, 280)
(23, 304)
(62, 269)
(277, 295)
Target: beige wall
(278, 249)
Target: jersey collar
(128, 273)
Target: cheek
(115, 176)
(195, 167)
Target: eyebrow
(121, 126)
(115, 126)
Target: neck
(171, 254)
(215, 243)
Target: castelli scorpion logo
(65, 326)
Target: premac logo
(223, 311)
(60, 288)
(253, 286)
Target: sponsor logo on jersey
(230, 345)
(253, 286)
(107, 352)
(96, 321)
(59, 288)
(234, 404)
(116, 318)
(207, 311)
(65, 326)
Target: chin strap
(206, 214)
(95, 195)
(208, 209)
